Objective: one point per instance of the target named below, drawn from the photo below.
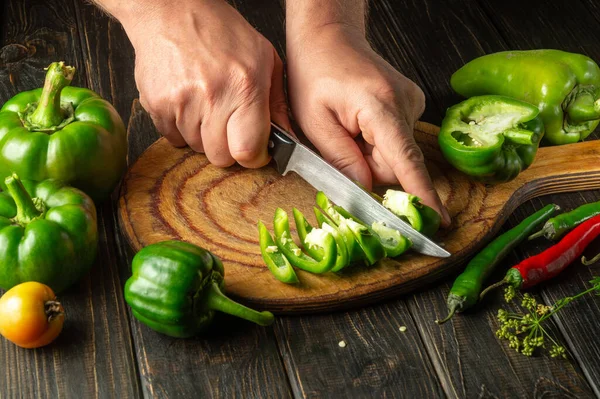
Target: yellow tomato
(30, 316)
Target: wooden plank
(94, 355)
(378, 359)
(440, 38)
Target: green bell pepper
(317, 238)
(354, 252)
(275, 260)
(50, 238)
(176, 287)
(491, 138)
(65, 133)
(408, 207)
(304, 229)
(564, 86)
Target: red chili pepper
(552, 261)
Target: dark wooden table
(104, 352)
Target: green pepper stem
(521, 136)
(28, 209)
(492, 287)
(583, 108)
(450, 315)
(587, 262)
(48, 112)
(216, 300)
(536, 235)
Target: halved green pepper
(275, 260)
(294, 254)
(564, 86)
(369, 243)
(491, 138)
(304, 229)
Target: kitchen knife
(292, 156)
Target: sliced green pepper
(409, 207)
(368, 242)
(355, 253)
(564, 86)
(394, 243)
(294, 254)
(304, 229)
(275, 260)
(491, 138)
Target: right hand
(209, 80)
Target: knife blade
(292, 156)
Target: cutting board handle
(558, 169)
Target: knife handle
(281, 146)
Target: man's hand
(339, 89)
(207, 78)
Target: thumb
(337, 147)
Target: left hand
(339, 88)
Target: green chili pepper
(304, 228)
(564, 86)
(294, 254)
(491, 138)
(394, 243)
(369, 243)
(557, 226)
(409, 207)
(467, 286)
(176, 287)
(64, 133)
(274, 259)
(48, 233)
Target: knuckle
(411, 152)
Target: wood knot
(12, 53)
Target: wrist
(324, 39)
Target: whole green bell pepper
(491, 138)
(65, 133)
(50, 238)
(564, 86)
(176, 287)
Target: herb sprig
(526, 332)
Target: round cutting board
(175, 193)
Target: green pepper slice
(408, 207)
(304, 228)
(354, 252)
(294, 254)
(368, 242)
(394, 243)
(491, 138)
(274, 259)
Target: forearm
(309, 15)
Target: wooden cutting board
(174, 193)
